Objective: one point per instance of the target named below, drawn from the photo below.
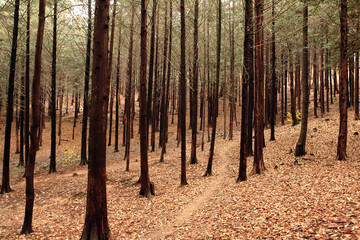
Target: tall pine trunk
(35, 124)
(53, 96)
(300, 146)
(86, 90)
(5, 187)
(342, 139)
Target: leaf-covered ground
(314, 197)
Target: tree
(300, 146)
(342, 139)
(53, 96)
(86, 89)
(194, 87)
(259, 165)
(96, 222)
(27, 84)
(315, 83)
(113, 22)
(5, 187)
(245, 90)
(145, 190)
(357, 117)
(249, 150)
(182, 94)
(35, 124)
(273, 77)
(216, 94)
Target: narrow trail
(221, 163)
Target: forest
(185, 119)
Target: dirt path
(222, 173)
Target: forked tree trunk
(300, 146)
(342, 139)
(53, 96)
(29, 172)
(5, 187)
(86, 90)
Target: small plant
(69, 158)
(289, 117)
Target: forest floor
(316, 197)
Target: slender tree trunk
(351, 79)
(113, 23)
(29, 173)
(297, 81)
(292, 90)
(342, 139)
(357, 86)
(300, 146)
(163, 88)
(151, 67)
(249, 142)
(146, 189)
(53, 96)
(86, 90)
(315, 80)
(182, 94)
(154, 113)
(259, 165)
(129, 89)
(216, 94)
(322, 93)
(327, 80)
(194, 88)
(117, 94)
(60, 112)
(21, 121)
(273, 76)
(5, 187)
(232, 74)
(27, 84)
(246, 76)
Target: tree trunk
(315, 80)
(27, 84)
(259, 166)
(60, 112)
(96, 221)
(129, 89)
(322, 93)
(5, 187)
(53, 96)
(86, 90)
(113, 19)
(327, 80)
(216, 94)
(357, 86)
(29, 173)
(249, 149)
(163, 88)
(232, 74)
(21, 121)
(182, 95)
(300, 146)
(351, 79)
(273, 77)
(146, 189)
(151, 67)
(341, 148)
(194, 88)
(117, 94)
(245, 77)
